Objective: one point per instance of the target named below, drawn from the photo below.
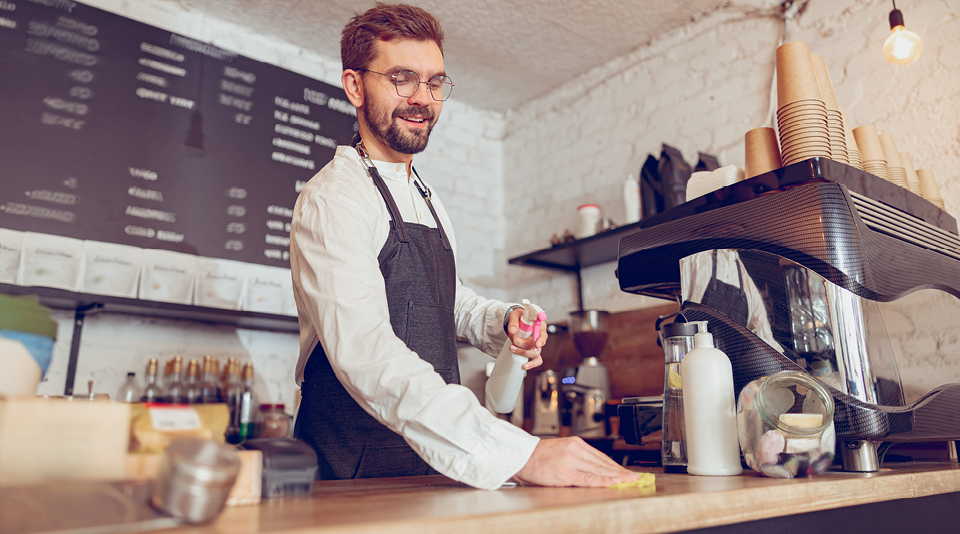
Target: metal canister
(195, 479)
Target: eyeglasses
(408, 82)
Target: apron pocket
(431, 334)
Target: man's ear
(353, 85)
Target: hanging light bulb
(902, 46)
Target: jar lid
(272, 407)
(26, 314)
(588, 206)
(679, 329)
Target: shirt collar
(387, 170)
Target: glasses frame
(393, 78)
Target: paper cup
(791, 139)
(868, 142)
(876, 168)
(890, 152)
(898, 176)
(823, 80)
(928, 185)
(796, 79)
(762, 151)
(913, 182)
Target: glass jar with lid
(785, 425)
(274, 421)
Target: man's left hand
(525, 347)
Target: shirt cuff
(506, 316)
(500, 456)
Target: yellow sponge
(646, 480)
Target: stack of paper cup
(871, 150)
(913, 181)
(853, 155)
(762, 152)
(895, 172)
(838, 144)
(801, 112)
(929, 187)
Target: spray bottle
(506, 379)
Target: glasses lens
(407, 83)
(440, 87)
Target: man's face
(402, 124)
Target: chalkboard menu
(117, 131)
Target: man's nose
(422, 97)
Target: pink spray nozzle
(541, 318)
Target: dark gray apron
(420, 275)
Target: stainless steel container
(195, 479)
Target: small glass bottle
(192, 382)
(677, 341)
(248, 405)
(130, 389)
(152, 391)
(176, 390)
(209, 390)
(232, 394)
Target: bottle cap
(703, 339)
(679, 329)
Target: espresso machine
(812, 251)
(546, 404)
(585, 388)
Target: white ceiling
(500, 53)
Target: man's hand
(571, 462)
(525, 346)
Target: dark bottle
(152, 391)
(248, 405)
(192, 383)
(175, 388)
(209, 389)
(232, 394)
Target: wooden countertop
(421, 505)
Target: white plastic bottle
(710, 410)
(506, 379)
(631, 199)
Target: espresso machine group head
(802, 256)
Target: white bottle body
(710, 411)
(631, 199)
(506, 379)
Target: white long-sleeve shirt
(340, 224)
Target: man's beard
(387, 129)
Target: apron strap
(426, 194)
(385, 193)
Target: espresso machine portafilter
(811, 251)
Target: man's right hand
(571, 462)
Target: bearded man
(373, 258)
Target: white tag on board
(170, 418)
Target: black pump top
(679, 329)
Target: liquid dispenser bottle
(710, 411)
(677, 342)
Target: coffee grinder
(585, 388)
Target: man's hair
(385, 22)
